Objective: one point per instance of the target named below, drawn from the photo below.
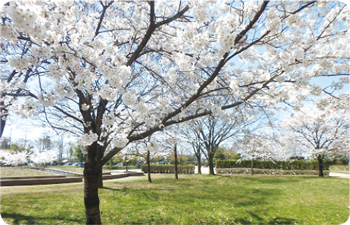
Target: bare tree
(210, 132)
(60, 147)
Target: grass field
(21, 172)
(74, 169)
(193, 199)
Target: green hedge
(187, 169)
(284, 165)
(108, 167)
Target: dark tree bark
(100, 179)
(91, 199)
(2, 121)
(320, 165)
(252, 169)
(149, 167)
(100, 153)
(211, 164)
(199, 165)
(176, 168)
(197, 152)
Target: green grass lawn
(74, 169)
(339, 168)
(21, 172)
(193, 199)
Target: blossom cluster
(88, 139)
(13, 158)
(43, 157)
(223, 54)
(22, 17)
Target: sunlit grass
(21, 172)
(192, 199)
(74, 169)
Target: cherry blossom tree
(11, 158)
(16, 158)
(259, 146)
(321, 131)
(43, 158)
(114, 73)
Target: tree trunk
(2, 120)
(91, 199)
(252, 170)
(211, 164)
(176, 169)
(99, 179)
(149, 167)
(99, 156)
(320, 166)
(199, 165)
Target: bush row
(339, 162)
(268, 164)
(186, 169)
(108, 167)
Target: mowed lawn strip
(74, 169)
(21, 172)
(191, 199)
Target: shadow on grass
(281, 220)
(277, 220)
(124, 189)
(23, 219)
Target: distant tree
(76, 151)
(44, 143)
(212, 131)
(225, 154)
(322, 131)
(79, 154)
(254, 147)
(60, 146)
(194, 141)
(17, 148)
(5, 143)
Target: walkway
(339, 175)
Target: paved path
(339, 175)
(205, 170)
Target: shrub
(186, 169)
(108, 167)
(268, 164)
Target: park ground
(193, 199)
